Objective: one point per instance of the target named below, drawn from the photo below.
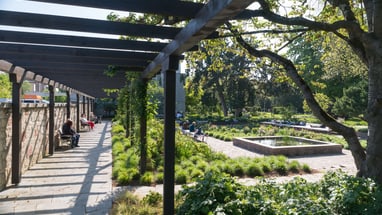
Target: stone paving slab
(72, 181)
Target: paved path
(73, 181)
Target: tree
(221, 72)
(347, 20)
(6, 87)
(353, 101)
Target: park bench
(84, 126)
(199, 137)
(64, 138)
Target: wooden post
(83, 105)
(16, 78)
(88, 108)
(51, 120)
(143, 129)
(169, 134)
(78, 113)
(67, 104)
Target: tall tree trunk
(238, 112)
(223, 104)
(373, 164)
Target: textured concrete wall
(5, 142)
(34, 135)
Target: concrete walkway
(72, 181)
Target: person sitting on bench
(68, 130)
(192, 127)
(93, 118)
(84, 121)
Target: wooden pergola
(64, 62)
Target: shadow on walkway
(73, 181)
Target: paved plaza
(72, 181)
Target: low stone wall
(315, 147)
(34, 135)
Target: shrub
(254, 170)
(117, 139)
(294, 166)
(153, 198)
(159, 177)
(147, 178)
(306, 168)
(117, 129)
(246, 129)
(181, 177)
(266, 167)
(227, 138)
(213, 194)
(202, 165)
(196, 173)
(281, 168)
(238, 170)
(125, 177)
(195, 159)
(131, 204)
(214, 169)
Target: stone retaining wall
(34, 135)
(314, 147)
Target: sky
(53, 9)
(46, 8)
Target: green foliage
(153, 198)
(353, 102)
(306, 168)
(117, 130)
(130, 204)
(218, 74)
(281, 167)
(159, 177)
(322, 99)
(192, 159)
(254, 170)
(147, 178)
(6, 86)
(294, 166)
(181, 176)
(127, 175)
(337, 193)
(350, 195)
(210, 195)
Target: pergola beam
(64, 40)
(14, 58)
(214, 14)
(21, 48)
(33, 65)
(32, 20)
